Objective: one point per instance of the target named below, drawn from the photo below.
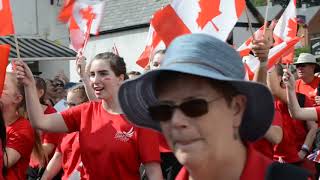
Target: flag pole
(249, 23)
(17, 50)
(87, 36)
(266, 17)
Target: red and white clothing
(20, 137)
(263, 145)
(70, 153)
(255, 167)
(47, 138)
(111, 147)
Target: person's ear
(238, 106)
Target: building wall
(38, 18)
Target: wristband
(305, 148)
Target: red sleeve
(20, 137)
(51, 138)
(148, 145)
(277, 120)
(72, 117)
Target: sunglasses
(193, 108)
(302, 65)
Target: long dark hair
(3, 137)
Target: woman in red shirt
(46, 142)
(111, 147)
(20, 135)
(67, 154)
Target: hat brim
(135, 96)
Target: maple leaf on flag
(292, 25)
(209, 10)
(88, 14)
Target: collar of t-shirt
(255, 168)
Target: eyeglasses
(192, 108)
(302, 65)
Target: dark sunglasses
(192, 108)
(302, 65)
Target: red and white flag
(286, 30)
(153, 40)
(4, 57)
(277, 52)
(80, 16)
(246, 47)
(251, 64)
(6, 22)
(213, 17)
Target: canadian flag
(4, 56)
(277, 52)
(246, 47)
(251, 64)
(213, 17)
(286, 30)
(153, 40)
(81, 15)
(6, 22)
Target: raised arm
(274, 84)
(81, 69)
(296, 112)
(261, 49)
(36, 116)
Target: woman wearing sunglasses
(111, 147)
(209, 115)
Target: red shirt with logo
(255, 167)
(263, 145)
(47, 138)
(70, 152)
(110, 146)
(20, 137)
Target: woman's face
(73, 99)
(10, 94)
(103, 80)
(196, 140)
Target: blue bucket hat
(204, 56)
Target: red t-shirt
(20, 137)
(255, 167)
(310, 89)
(47, 138)
(111, 147)
(294, 134)
(163, 145)
(70, 151)
(1, 161)
(263, 145)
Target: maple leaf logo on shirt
(124, 136)
(209, 10)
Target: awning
(37, 49)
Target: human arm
(296, 112)
(274, 134)
(153, 170)
(53, 166)
(308, 142)
(274, 84)
(36, 116)
(82, 72)
(11, 157)
(261, 50)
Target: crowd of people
(190, 115)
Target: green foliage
(302, 50)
